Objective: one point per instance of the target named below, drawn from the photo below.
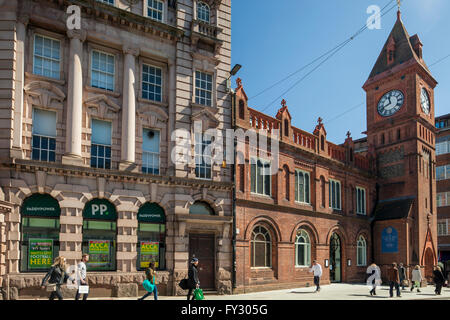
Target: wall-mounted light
(349, 262)
(326, 263)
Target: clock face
(390, 103)
(425, 101)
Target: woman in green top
(151, 276)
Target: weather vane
(399, 3)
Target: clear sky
(272, 39)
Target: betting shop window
(39, 238)
(99, 235)
(151, 236)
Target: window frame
(159, 151)
(361, 243)
(163, 13)
(361, 190)
(91, 66)
(253, 251)
(330, 202)
(213, 88)
(199, 3)
(108, 2)
(255, 192)
(102, 145)
(297, 187)
(141, 95)
(203, 165)
(446, 172)
(44, 35)
(43, 136)
(307, 248)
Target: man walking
(393, 279)
(317, 270)
(82, 275)
(402, 275)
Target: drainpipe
(372, 222)
(233, 166)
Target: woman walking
(416, 278)
(373, 278)
(439, 279)
(56, 277)
(151, 276)
(193, 281)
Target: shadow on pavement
(367, 296)
(301, 292)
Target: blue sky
(271, 39)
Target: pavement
(341, 291)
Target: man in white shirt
(82, 275)
(317, 270)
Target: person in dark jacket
(193, 281)
(402, 275)
(394, 279)
(438, 279)
(56, 275)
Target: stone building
(345, 205)
(443, 187)
(86, 122)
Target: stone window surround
(165, 76)
(91, 47)
(63, 52)
(142, 128)
(213, 12)
(164, 14)
(206, 67)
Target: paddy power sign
(40, 253)
(100, 209)
(149, 253)
(99, 253)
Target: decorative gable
(44, 94)
(101, 106)
(207, 118)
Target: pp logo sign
(99, 209)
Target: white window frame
(199, 4)
(153, 84)
(263, 162)
(443, 199)
(362, 191)
(307, 247)
(361, 244)
(203, 156)
(443, 146)
(150, 153)
(101, 71)
(444, 232)
(108, 2)
(46, 58)
(102, 145)
(163, 12)
(446, 169)
(297, 186)
(252, 242)
(339, 199)
(202, 89)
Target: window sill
(261, 268)
(200, 107)
(263, 196)
(152, 102)
(33, 76)
(103, 91)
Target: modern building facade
(343, 205)
(443, 187)
(87, 117)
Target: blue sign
(389, 240)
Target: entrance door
(201, 246)
(335, 258)
(429, 263)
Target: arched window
(241, 109)
(286, 182)
(203, 12)
(39, 232)
(322, 190)
(361, 253)
(286, 127)
(151, 236)
(261, 248)
(302, 249)
(201, 207)
(99, 235)
(322, 143)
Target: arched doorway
(429, 263)
(335, 258)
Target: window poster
(99, 254)
(149, 253)
(40, 253)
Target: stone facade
(179, 45)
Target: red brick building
(342, 205)
(443, 187)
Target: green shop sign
(40, 253)
(42, 205)
(151, 212)
(100, 209)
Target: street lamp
(233, 72)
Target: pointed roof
(404, 50)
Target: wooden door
(201, 246)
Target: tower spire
(399, 4)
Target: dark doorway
(335, 259)
(429, 263)
(201, 246)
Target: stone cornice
(113, 175)
(77, 34)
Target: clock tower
(401, 136)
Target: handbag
(198, 294)
(183, 284)
(405, 283)
(50, 287)
(148, 286)
(83, 289)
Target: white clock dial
(425, 101)
(390, 103)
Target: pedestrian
(56, 276)
(317, 271)
(373, 278)
(394, 279)
(193, 281)
(82, 276)
(150, 273)
(402, 275)
(439, 279)
(416, 278)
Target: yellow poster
(149, 253)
